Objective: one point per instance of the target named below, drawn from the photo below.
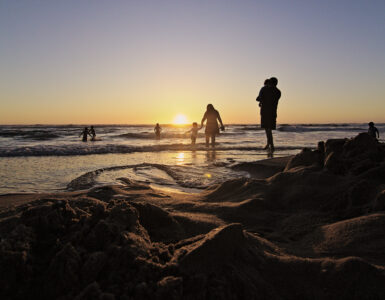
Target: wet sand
(309, 226)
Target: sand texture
(311, 226)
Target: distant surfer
(85, 133)
(212, 128)
(92, 133)
(268, 99)
(373, 131)
(157, 131)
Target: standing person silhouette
(92, 133)
(157, 131)
(212, 128)
(268, 101)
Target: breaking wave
(79, 149)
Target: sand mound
(313, 230)
(362, 236)
(235, 190)
(160, 225)
(218, 247)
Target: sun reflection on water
(180, 158)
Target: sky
(143, 62)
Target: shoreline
(260, 169)
(304, 226)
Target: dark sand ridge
(313, 230)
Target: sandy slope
(305, 227)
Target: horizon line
(149, 124)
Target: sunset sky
(147, 61)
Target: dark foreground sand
(315, 229)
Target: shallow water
(49, 158)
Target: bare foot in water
(266, 147)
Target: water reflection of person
(211, 155)
(85, 133)
(157, 131)
(193, 156)
(212, 128)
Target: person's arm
(378, 133)
(260, 95)
(220, 121)
(203, 119)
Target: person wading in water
(212, 128)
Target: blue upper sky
(146, 61)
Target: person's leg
(213, 140)
(207, 140)
(267, 139)
(269, 135)
(193, 140)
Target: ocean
(52, 158)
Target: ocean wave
(166, 135)
(151, 136)
(39, 135)
(56, 150)
(319, 127)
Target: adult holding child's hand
(212, 128)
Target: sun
(180, 119)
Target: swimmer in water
(84, 133)
(157, 131)
(92, 133)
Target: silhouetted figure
(194, 132)
(157, 131)
(268, 101)
(212, 128)
(265, 83)
(92, 133)
(373, 131)
(85, 133)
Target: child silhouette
(194, 132)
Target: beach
(308, 225)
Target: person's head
(266, 82)
(195, 124)
(371, 124)
(85, 128)
(157, 124)
(273, 81)
(210, 107)
(92, 127)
